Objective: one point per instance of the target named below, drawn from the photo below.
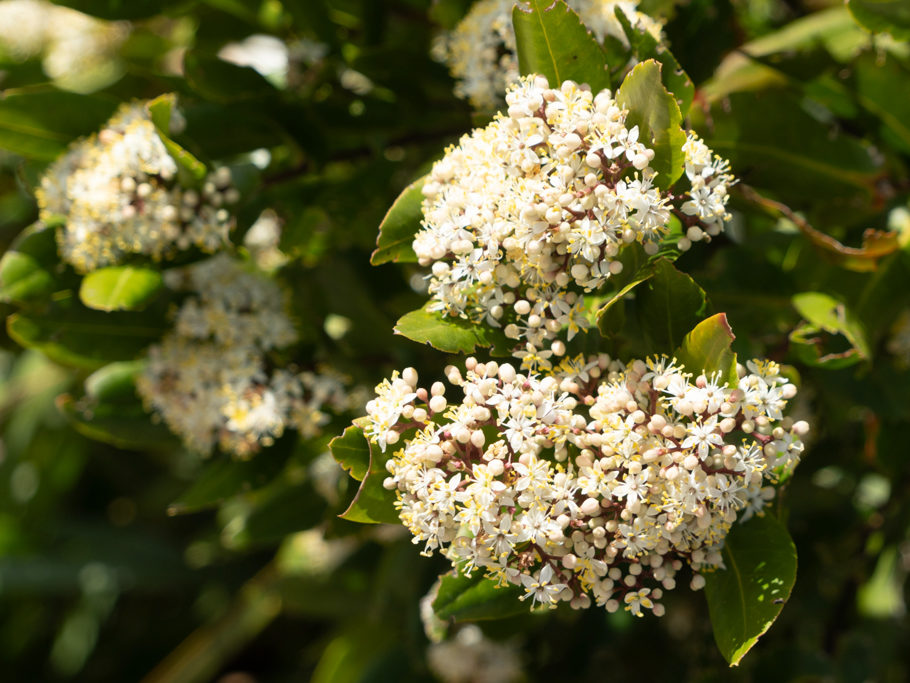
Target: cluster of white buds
(78, 51)
(596, 482)
(481, 51)
(528, 213)
(210, 379)
(119, 195)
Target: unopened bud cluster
(530, 212)
(594, 483)
(210, 379)
(119, 195)
(481, 52)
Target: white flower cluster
(526, 214)
(481, 51)
(471, 657)
(210, 379)
(119, 195)
(78, 51)
(596, 482)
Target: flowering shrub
(591, 484)
(532, 211)
(209, 378)
(118, 195)
(198, 486)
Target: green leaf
(802, 162)
(825, 314)
(745, 598)
(657, 115)
(120, 288)
(40, 123)
(645, 46)
(221, 81)
(398, 227)
(79, 337)
(670, 305)
(373, 503)
(876, 78)
(123, 424)
(552, 41)
(602, 315)
(190, 169)
(27, 269)
(351, 450)
(223, 478)
(476, 598)
(707, 349)
(882, 16)
(452, 335)
(114, 382)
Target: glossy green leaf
(603, 320)
(120, 288)
(40, 123)
(351, 450)
(28, 268)
(114, 382)
(552, 41)
(373, 504)
(707, 349)
(745, 598)
(882, 16)
(72, 335)
(671, 303)
(815, 341)
(401, 223)
(645, 46)
(123, 424)
(452, 335)
(190, 169)
(657, 115)
(476, 598)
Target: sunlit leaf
(553, 42)
(449, 334)
(707, 349)
(658, 118)
(745, 598)
(401, 223)
(120, 288)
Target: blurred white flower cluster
(593, 483)
(481, 51)
(471, 657)
(79, 52)
(119, 195)
(211, 378)
(528, 213)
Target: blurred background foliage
(126, 557)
